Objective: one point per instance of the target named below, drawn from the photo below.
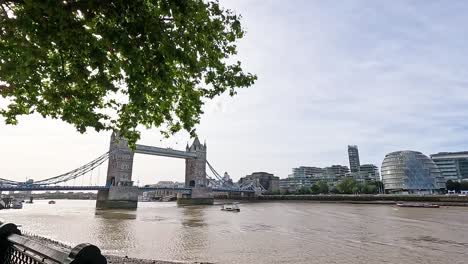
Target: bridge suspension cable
(71, 175)
(215, 173)
(6, 181)
(80, 171)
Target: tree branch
(61, 61)
(4, 88)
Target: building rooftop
(459, 154)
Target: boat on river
(52, 202)
(230, 208)
(418, 205)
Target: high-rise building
(452, 165)
(353, 154)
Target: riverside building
(269, 181)
(369, 172)
(452, 165)
(336, 171)
(411, 172)
(304, 171)
(306, 177)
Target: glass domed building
(411, 172)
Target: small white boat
(230, 208)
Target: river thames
(269, 232)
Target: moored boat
(418, 205)
(230, 208)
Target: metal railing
(18, 249)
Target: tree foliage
(117, 64)
(464, 185)
(303, 190)
(315, 189)
(453, 186)
(347, 186)
(456, 186)
(320, 187)
(351, 186)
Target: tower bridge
(122, 193)
(119, 191)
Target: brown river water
(268, 232)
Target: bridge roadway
(97, 188)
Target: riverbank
(127, 260)
(110, 258)
(387, 199)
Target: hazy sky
(384, 75)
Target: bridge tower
(121, 192)
(195, 169)
(195, 177)
(120, 166)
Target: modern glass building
(411, 172)
(452, 165)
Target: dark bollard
(5, 231)
(15, 248)
(8, 229)
(87, 253)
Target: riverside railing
(18, 249)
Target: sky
(383, 75)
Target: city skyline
(329, 76)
